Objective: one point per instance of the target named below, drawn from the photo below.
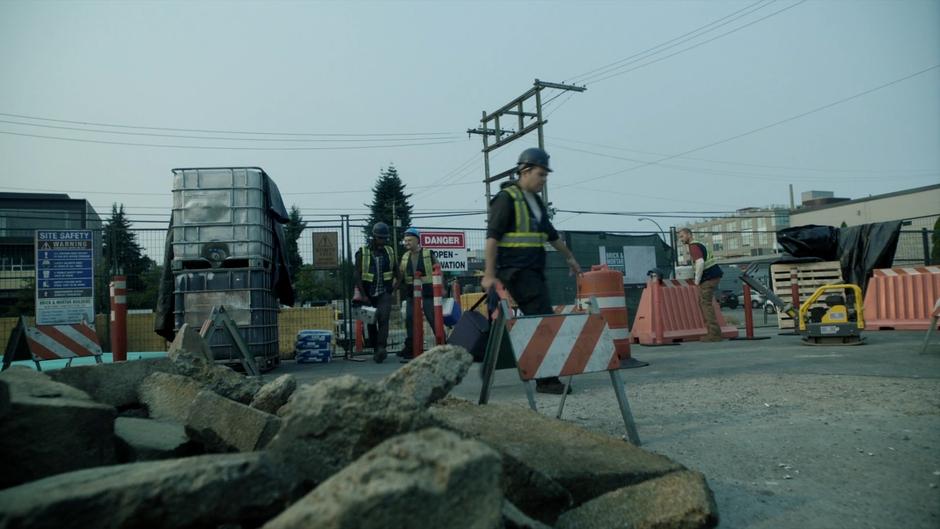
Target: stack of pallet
(223, 246)
(809, 277)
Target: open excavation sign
(449, 247)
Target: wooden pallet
(809, 277)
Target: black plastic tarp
(867, 247)
(859, 249)
(163, 323)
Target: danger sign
(449, 247)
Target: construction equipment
(839, 322)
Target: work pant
(427, 306)
(378, 333)
(706, 295)
(530, 292)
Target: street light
(663, 234)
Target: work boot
(379, 355)
(551, 385)
(710, 338)
(405, 358)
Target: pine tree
(292, 232)
(389, 190)
(122, 255)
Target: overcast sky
(422, 72)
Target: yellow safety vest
(428, 267)
(367, 274)
(709, 260)
(523, 236)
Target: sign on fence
(449, 247)
(325, 250)
(633, 261)
(65, 277)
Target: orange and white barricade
(51, 342)
(669, 312)
(556, 345)
(901, 298)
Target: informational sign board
(325, 250)
(633, 261)
(65, 277)
(449, 247)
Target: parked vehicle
(727, 298)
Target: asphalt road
(788, 435)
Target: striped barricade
(554, 345)
(901, 298)
(51, 342)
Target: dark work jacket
(502, 220)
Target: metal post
(617, 381)
(925, 239)
(118, 330)
(541, 133)
(417, 319)
(748, 316)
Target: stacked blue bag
(314, 346)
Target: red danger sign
(443, 239)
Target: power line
(759, 129)
(735, 30)
(221, 148)
(187, 136)
(216, 131)
(746, 164)
(676, 40)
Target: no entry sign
(449, 247)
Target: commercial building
(20, 215)
(750, 232)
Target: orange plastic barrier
(901, 298)
(669, 313)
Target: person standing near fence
(377, 277)
(517, 230)
(415, 259)
(707, 276)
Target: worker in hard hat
(707, 276)
(415, 259)
(376, 276)
(517, 231)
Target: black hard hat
(535, 156)
(380, 230)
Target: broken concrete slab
(513, 518)
(681, 500)
(201, 491)
(51, 428)
(223, 425)
(113, 384)
(168, 397)
(332, 423)
(430, 478)
(430, 377)
(150, 440)
(585, 463)
(230, 384)
(274, 394)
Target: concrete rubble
(340, 453)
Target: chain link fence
(320, 291)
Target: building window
(717, 245)
(747, 239)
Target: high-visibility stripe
(47, 347)
(120, 300)
(612, 302)
(78, 336)
(119, 284)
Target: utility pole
(525, 122)
(394, 228)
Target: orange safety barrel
(606, 286)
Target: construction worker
(421, 260)
(707, 276)
(377, 277)
(517, 231)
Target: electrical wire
(758, 129)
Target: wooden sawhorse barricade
(555, 345)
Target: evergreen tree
(389, 190)
(292, 232)
(122, 255)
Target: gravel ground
(788, 436)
